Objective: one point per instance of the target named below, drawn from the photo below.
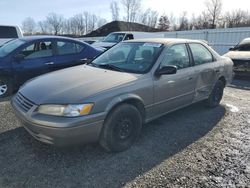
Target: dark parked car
(24, 58)
(240, 54)
(135, 82)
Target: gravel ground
(192, 147)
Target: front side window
(176, 55)
(66, 48)
(135, 57)
(114, 37)
(201, 54)
(37, 50)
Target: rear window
(8, 32)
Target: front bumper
(61, 131)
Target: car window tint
(201, 54)
(65, 48)
(244, 47)
(176, 55)
(37, 50)
(8, 32)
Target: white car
(240, 54)
(8, 33)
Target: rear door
(177, 90)
(37, 56)
(68, 53)
(205, 68)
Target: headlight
(66, 110)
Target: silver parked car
(110, 98)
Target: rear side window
(8, 32)
(65, 48)
(201, 54)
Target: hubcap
(218, 95)
(123, 129)
(3, 89)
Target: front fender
(122, 98)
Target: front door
(37, 57)
(177, 90)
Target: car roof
(37, 37)
(165, 41)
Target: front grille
(241, 63)
(24, 103)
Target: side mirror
(169, 69)
(19, 57)
(86, 61)
(231, 49)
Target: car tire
(216, 94)
(121, 128)
(6, 87)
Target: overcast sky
(13, 12)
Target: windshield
(114, 37)
(134, 57)
(243, 46)
(10, 47)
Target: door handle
(190, 78)
(217, 70)
(49, 63)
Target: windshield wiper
(110, 66)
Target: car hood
(103, 44)
(243, 55)
(73, 85)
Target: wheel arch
(131, 99)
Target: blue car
(25, 58)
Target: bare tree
(86, 20)
(236, 18)
(114, 10)
(173, 24)
(44, 27)
(92, 22)
(149, 18)
(164, 23)
(29, 26)
(69, 27)
(214, 10)
(183, 22)
(77, 22)
(55, 21)
(131, 8)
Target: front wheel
(121, 128)
(5, 87)
(216, 94)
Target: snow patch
(232, 108)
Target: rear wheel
(6, 87)
(216, 94)
(121, 128)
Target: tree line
(83, 23)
